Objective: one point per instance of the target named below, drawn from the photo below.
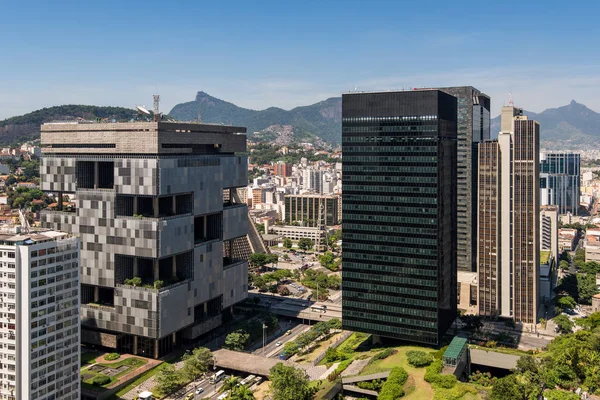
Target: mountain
(27, 127)
(309, 123)
(573, 126)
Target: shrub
(383, 354)
(375, 385)
(456, 393)
(393, 389)
(433, 370)
(447, 381)
(158, 284)
(111, 356)
(100, 380)
(418, 358)
(438, 354)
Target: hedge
(112, 356)
(433, 376)
(393, 389)
(100, 380)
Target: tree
(564, 323)
(586, 288)
(327, 260)
(287, 243)
(197, 363)
(136, 281)
(472, 321)
(289, 383)
(237, 340)
(257, 260)
(241, 392)
(272, 259)
(418, 358)
(260, 228)
(167, 379)
(305, 244)
(564, 302)
(392, 389)
(508, 388)
(527, 364)
(229, 383)
(564, 265)
(283, 291)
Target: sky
(259, 54)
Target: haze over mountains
(570, 127)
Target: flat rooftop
(9, 236)
(141, 138)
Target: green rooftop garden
(544, 256)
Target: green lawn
(139, 380)
(89, 357)
(132, 362)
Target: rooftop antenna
(511, 103)
(143, 110)
(156, 108)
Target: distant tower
(156, 108)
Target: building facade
(549, 229)
(560, 181)
(509, 220)
(399, 208)
(160, 223)
(39, 305)
(473, 127)
(312, 209)
(283, 169)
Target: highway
(272, 350)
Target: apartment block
(161, 227)
(39, 311)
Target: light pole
(264, 328)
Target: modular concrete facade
(153, 202)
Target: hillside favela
(300, 201)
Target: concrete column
(135, 267)
(174, 338)
(174, 267)
(155, 348)
(174, 204)
(60, 201)
(96, 174)
(96, 294)
(135, 345)
(155, 269)
(135, 205)
(205, 227)
(155, 206)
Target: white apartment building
(39, 315)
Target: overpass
(295, 308)
(246, 362)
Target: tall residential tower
(399, 208)
(509, 220)
(39, 305)
(161, 227)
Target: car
(199, 390)
(288, 333)
(278, 344)
(189, 396)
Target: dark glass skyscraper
(559, 181)
(473, 127)
(399, 208)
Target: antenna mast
(510, 100)
(156, 108)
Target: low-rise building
(567, 239)
(596, 303)
(297, 232)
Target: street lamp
(264, 328)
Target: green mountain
(309, 123)
(27, 127)
(570, 127)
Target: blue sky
(259, 54)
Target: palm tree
(230, 383)
(241, 392)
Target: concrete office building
(155, 201)
(312, 179)
(509, 220)
(39, 306)
(560, 181)
(473, 127)
(399, 200)
(283, 169)
(310, 207)
(549, 229)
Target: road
(210, 391)
(271, 349)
